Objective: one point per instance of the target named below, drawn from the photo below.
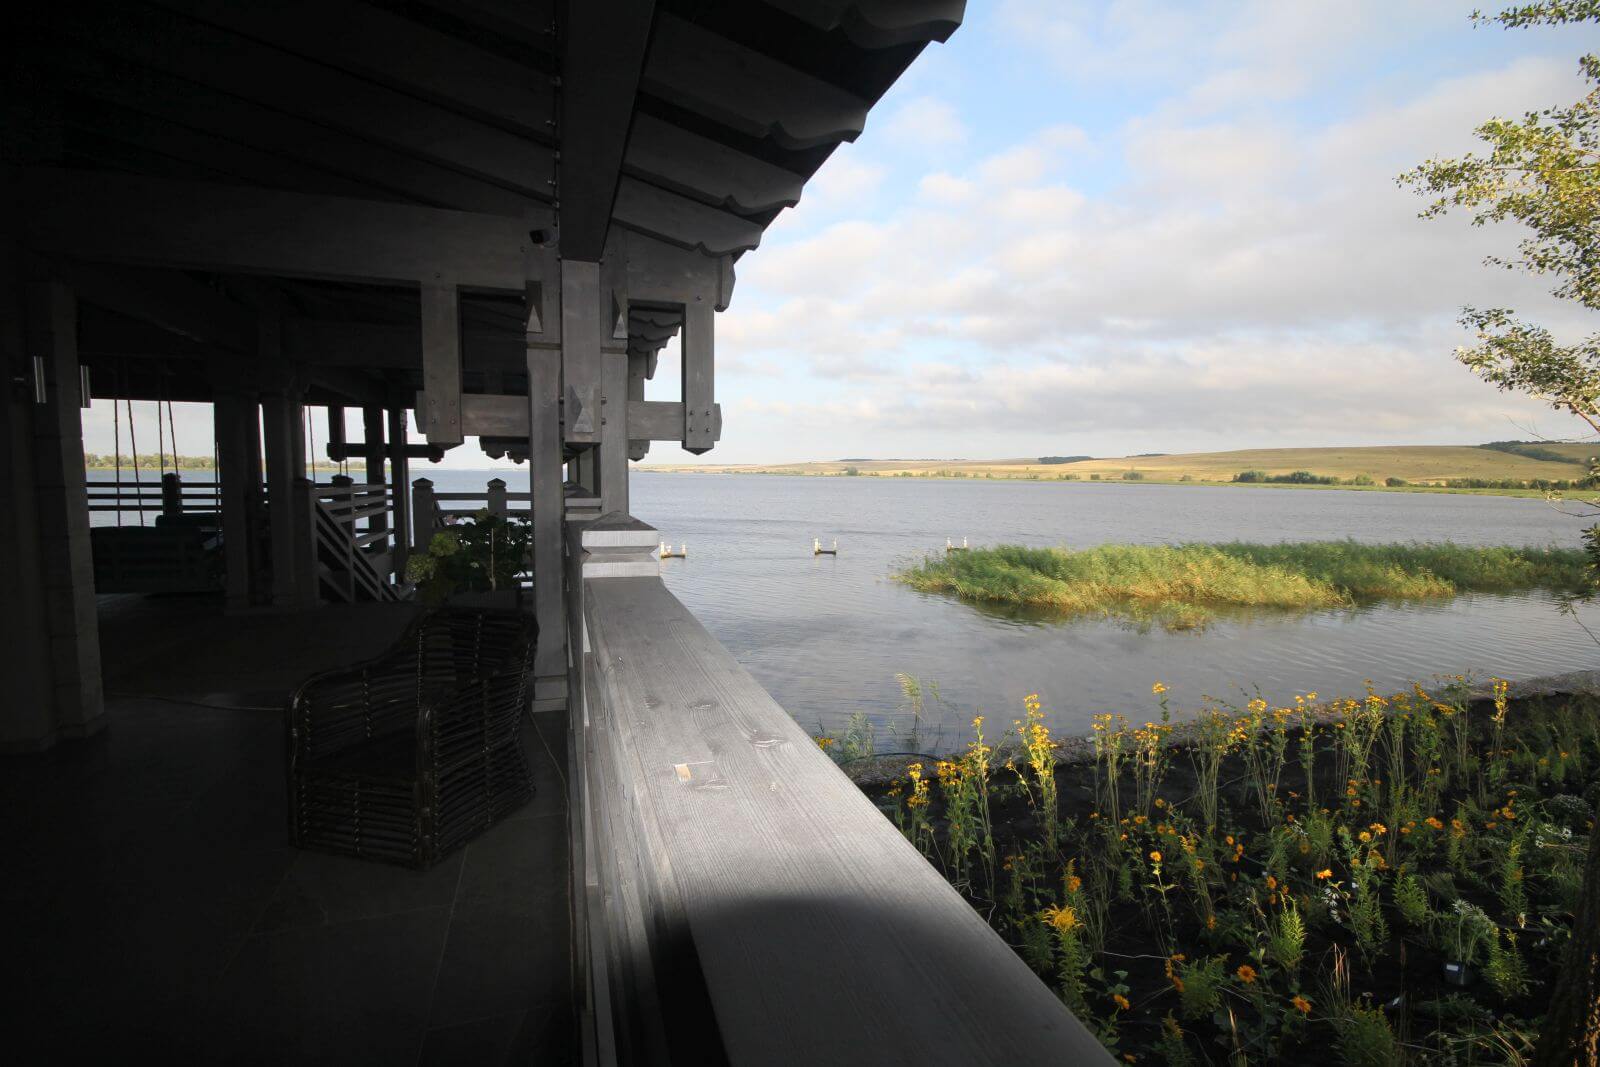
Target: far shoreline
(1537, 494)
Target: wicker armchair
(410, 756)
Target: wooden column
(27, 714)
(423, 503)
(613, 355)
(372, 435)
(543, 328)
(699, 375)
(63, 514)
(440, 417)
(171, 495)
(281, 414)
(399, 487)
(238, 480)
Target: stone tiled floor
(155, 908)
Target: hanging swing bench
(179, 553)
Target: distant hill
(1414, 464)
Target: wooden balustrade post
(399, 478)
(171, 495)
(497, 498)
(308, 588)
(423, 509)
(372, 439)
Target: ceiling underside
(454, 105)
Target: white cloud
(1250, 278)
(924, 123)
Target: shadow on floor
(156, 905)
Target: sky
(1136, 226)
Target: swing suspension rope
(116, 450)
(133, 443)
(161, 442)
(172, 434)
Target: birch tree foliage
(1541, 170)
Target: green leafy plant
(486, 553)
(1411, 900)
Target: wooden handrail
(737, 887)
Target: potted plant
(1467, 929)
(474, 563)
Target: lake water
(827, 635)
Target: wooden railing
(347, 523)
(170, 496)
(432, 510)
(738, 899)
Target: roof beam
(602, 57)
(156, 221)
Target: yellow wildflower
(1246, 973)
(1301, 1003)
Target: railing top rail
(822, 934)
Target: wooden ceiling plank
(688, 223)
(367, 41)
(708, 170)
(300, 140)
(739, 87)
(206, 226)
(252, 71)
(880, 23)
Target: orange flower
(1272, 883)
(1246, 973)
(1324, 874)
(1122, 1002)
(1301, 1003)
(1155, 857)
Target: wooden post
(50, 627)
(372, 434)
(308, 585)
(280, 416)
(171, 495)
(335, 430)
(344, 481)
(423, 506)
(543, 332)
(613, 458)
(28, 714)
(234, 417)
(399, 484)
(699, 375)
(440, 417)
(497, 498)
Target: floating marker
(818, 550)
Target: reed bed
(1185, 585)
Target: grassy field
(1182, 586)
(1411, 463)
